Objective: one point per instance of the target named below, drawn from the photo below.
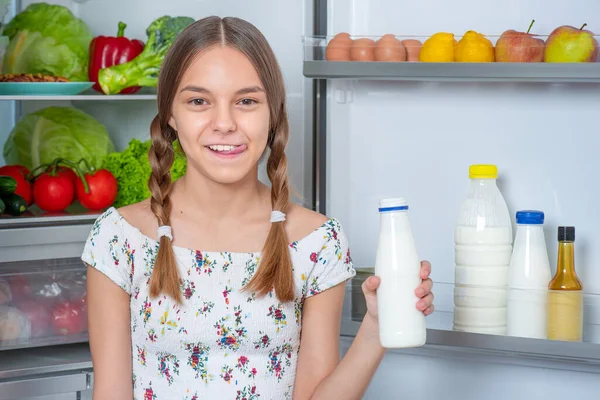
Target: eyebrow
(200, 89)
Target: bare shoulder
(139, 215)
(301, 221)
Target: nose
(223, 120)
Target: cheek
(256, 127)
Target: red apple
(514, 46)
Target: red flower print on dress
(314, 257)
(198, 360)
(249, 392)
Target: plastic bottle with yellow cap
(482, 252)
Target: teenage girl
(218, 287)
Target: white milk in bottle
(397, 264)
(528, 277)
(482, 252)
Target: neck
(566, 258)
(196, 194)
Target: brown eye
(248, 102)
(198, 102)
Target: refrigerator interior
(416, 140)
(287, 23)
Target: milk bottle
(528, 277)
(482, 252)
(401, 324)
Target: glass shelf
(442, 331)
(318, 65)
(80, 97)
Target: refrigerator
(360, 131)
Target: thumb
(369, 287)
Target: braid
(165, 277)
(276, 265)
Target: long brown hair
(275, 269)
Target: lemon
(438, 48)
(474, 47)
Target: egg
(338, 48)
(413, 49)
(363, 50)
(388, 48)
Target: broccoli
(132, 170)
(143, 70)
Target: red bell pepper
(106, 51)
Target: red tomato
(19, 172)
(39, 317)
(53, 193)
(20, 288)
(103, 190)
(67, 172)
(68, 319)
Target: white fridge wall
(282, 22)
(418, 139)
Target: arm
(320, 375)
(110, 337)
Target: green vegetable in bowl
(57, 132)
(47, 39)
(143, 70)
(132, 169)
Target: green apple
(569, 44)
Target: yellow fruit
(438, 48)
(474, 47)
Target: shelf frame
(573, 356)
(455, 72)
(80, 97)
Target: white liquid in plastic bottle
(482, 252)
(528, 278)
(401, 324)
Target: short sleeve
(332, 263)
(107, 250)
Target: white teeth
(220, 147)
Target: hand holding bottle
(423, 291)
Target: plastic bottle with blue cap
(397, 263)
(528, 276)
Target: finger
(370, 285)
(425, 302)
(425, 269)
(424, 288)
(429, 310)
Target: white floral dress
(221, 343)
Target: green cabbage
(48, 39)
(57, 132)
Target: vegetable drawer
(42, 303)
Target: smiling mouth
(223, 149)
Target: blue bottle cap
(530, 217)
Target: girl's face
(221, 115)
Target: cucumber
(15, 204)
(2, 207)
(8, 185)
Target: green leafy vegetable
(47, 39)
(143, 70)
(132, 169)
(57, 132)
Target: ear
(173, 124)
